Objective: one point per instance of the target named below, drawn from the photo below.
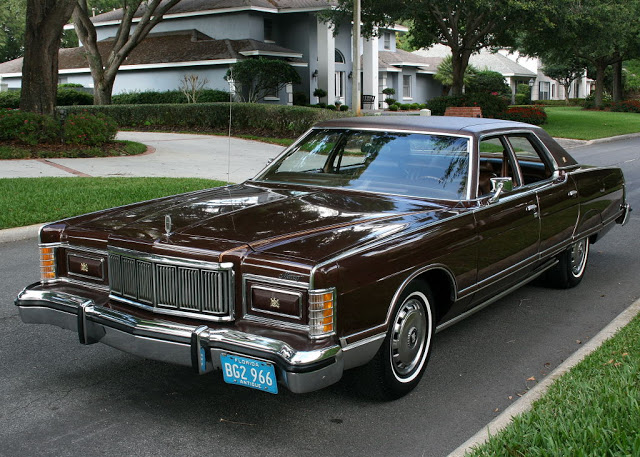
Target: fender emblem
(274, 302)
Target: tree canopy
(465, 26)
(600, 32)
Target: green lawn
(574, 122)
(594, 410)
(26, 201)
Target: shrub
(67, 85)
(390, 101)
(170, 96)
(89, 129)
(331, 107)
(10, 99)
(492, 106)
(68, 97)
(487, 81)
(394, 107)
(530, 114)
(300, 98)
(320, 93)
(523, 94)
(344, 108)
(389, 91)
(254, 118)
(28, 128)
(627, 106)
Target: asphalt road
(59, 398)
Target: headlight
(321, 312)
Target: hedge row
(77, 128)
(66, 96)
(492, 106)
(170, 96)
(572, 102)
(535, 115)
(274, 120)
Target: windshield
(419, 165)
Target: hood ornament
(167, 225)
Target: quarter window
(532, 162)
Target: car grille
(172, 286)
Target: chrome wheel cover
(579, 252)
(410, 337)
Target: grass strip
(27, 201)
(593, 410)
(574, 122)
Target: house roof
(182, 47)
(188, 7)
(485, 59)
(392, 61)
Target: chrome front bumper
(197, 347)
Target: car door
(508, 229)
(557, 191)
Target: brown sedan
(352, 248)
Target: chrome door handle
(573, 194)
(531, 207)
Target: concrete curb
(569, 143)
(525, 403)
(19, 233)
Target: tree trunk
(102, 92)
(459, 63)
(600, 69)
(617, 82)
(45, 20)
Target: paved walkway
(173, 155)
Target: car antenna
(231, 84)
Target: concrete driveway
(174, 155)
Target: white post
(370, 69)
(326, 61)
(355, 81)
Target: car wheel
(571, 266)
(402, 358)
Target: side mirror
(498, 186)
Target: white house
(205, 37)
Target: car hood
(280, 220)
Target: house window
(339, 57)
(387, 40)
(272, 94)
(268, 30)
(406, 86)
(544, 88)
(340, 85)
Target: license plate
(253, 373)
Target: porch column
(326, 62)
(370, 69)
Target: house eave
(212, 12)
